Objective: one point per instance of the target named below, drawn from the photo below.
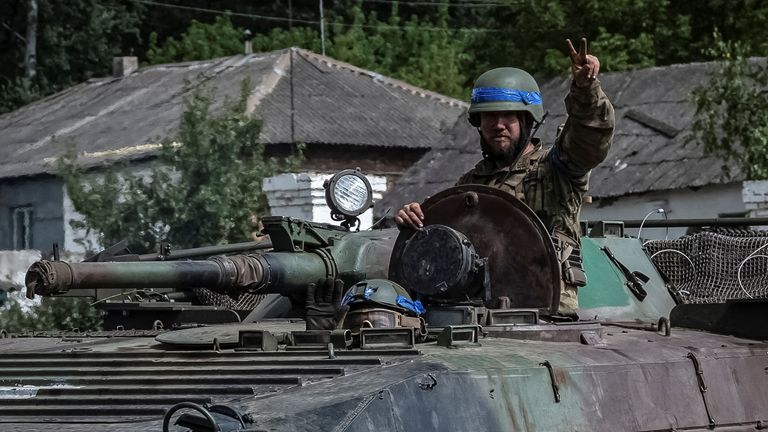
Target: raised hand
(323, 304)
(585, 66)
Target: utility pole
(290, 15)
(293, 107)
(30, 54)
(322, 28)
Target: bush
(60, 313)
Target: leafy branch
(731, 118)
(203, 188)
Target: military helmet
(384, 293)
(505, 89)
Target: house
(652, 163)
(347, 117)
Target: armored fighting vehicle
(453, 327)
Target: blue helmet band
(500, 94)
(414, 306)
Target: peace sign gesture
(584, 66)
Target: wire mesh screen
(245, 302)
(710, 267)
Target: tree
(56, 313)
(65, 56)
(422, 52)
(278, 38)
(625, 34)
(732, 20)
(731, 119)
(440, 45)
(199, 42)
(432, 59)
(204, 187)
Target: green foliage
(203, 189)
(442, 55)
(732, 110)
(734, 20)
(621, 53)
(277, 38)
(353, 44)
(54, 313)
(441, 46)
(200, 42)
(624, 34)
(76, 40)
(20, 91)
(430, 59)
(222, 38)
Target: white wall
(13, 269)
(755, 197)
(302, 196)
(705, 202)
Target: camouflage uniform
(553, 180)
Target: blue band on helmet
(348, 297)
(413, 306)
(500, 94)
(353, 295)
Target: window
(21, 219)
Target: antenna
(538, 125)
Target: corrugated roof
(334, 103)
(650, 152)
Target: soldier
(505, 107)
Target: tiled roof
(650, 152)
(123, 118)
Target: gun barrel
(284, 273)
(58, 277)
(350, 258)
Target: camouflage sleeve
(465, 178)
(588, 132)
(469, 176)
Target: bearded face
(501, 132)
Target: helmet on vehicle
(382, 292)
(505, 89)
(381, 303)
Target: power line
(284, 19)
(224, 12)
(460, 4)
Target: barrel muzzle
(48, 278)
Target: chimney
(124, 66)
(247, 41)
